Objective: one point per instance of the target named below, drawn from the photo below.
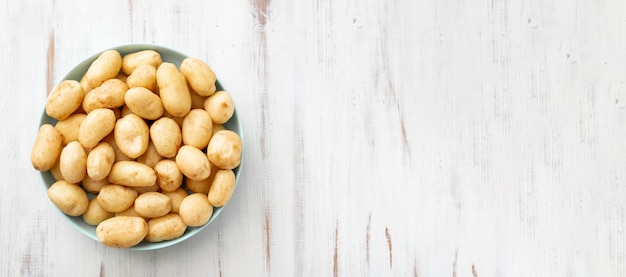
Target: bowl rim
(79, 69)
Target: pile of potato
(147, 139)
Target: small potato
(95, 214)
(121, 76)
(105, 67)
(196, 210)
(199, 76)
(108, 95)
(132, 135)
(169, 176)
(224, 149)
(47, 148)
(167, 227)
(130, 212)
(69, 127)
(116, 198)
(144, 103)
(177, 197)
(178, 120)
(122, 231)
(69, 198)
(220, 106)
(73, 162)
(173, 90)
(64, 99)
(100, 160)
(153, 204)
(143, 76)
(92, 185)
(197, 128)
(202, 186)
(125, 111)
(197, 101)
(222, 187)
(217, 128)
(96, 125)
(166, 136)
(151, 157)
(119, 156)
(132, 174)
(56, 170)
(193, 163)
(85, 85)
(142, 190)
(132, 61)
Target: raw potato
(169, 176)
(166, 136)
(199, 76)
(73, 162)
(119, 156)
(176, 197)
(224, 149)
(95, 214)
(197, 101)
(217, 128)
(69, 127)
(96, 125)
(130, 212)
(173, 90)
(92, 185)
(85, 85)
(56, 170)
(69, 198)
(132, 135)
(121, 76)
(122, 231)
(105, 67)
(47, 148)
(167, 227)
(125, 111)
(151, 157)
(132, 174)
(132, 61)
(202, 186)
(100, 160)
(196, 210)
(143, 76)
(64, 99)
(222, 188)
(197, 128)
(220, 106)
(116, 198)
(193, 163)
(108, 95)
(141, 190)
(144, 103)
(153, 204)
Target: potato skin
(153, 204)
(73, 162)
(69, 127)
(116, 198)
(96, 125)
(169, 177)
(195, 210)
(151, 157)
(176, 197)
(173, 90)
(197, 128)
(132, 174)
(105, 67)
(100, 160)
(47, 148)
(166, 137)
(144, 103)
(95, 214)
(132, 135)
(222, 188)
(193, 163)
(220, 106)
(69, 198)
(64, 99)
(122, 231)
(108, 95)
(143, 76)
(224, 149)
(167, 227)
(132, 61)
(199, 76)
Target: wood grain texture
(383, 138)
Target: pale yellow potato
(197, 101)
(69, 198)
(132, 135)
(117, 112)
(166, 137)
(133, 60)
(92, 185)
(173, 90)
(56, 170)
(193, 163)
(220, 106)
(197, 128)
(85, 85)
(151, 188)
(105, 67)
(116, 198)
(222, 187)
(178, 120)
(73, 162)
(96, 125)
(167, 227)
(132, 174)
(153, 204)
(224, 149)
(169, 177)
(119, 156)
(125, 111)
(130, 212)
(143, 76)
(64, 99)
(176, 197)
(195, 210)
(108, 95)
(122, 77)
(199, 76)
(47, 148)
(202, 186)
(100, 160)
(122, 231)
(95, 214)
(69, 127)
(151, 157)
(216, 128)
(144, 103)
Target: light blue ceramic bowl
(168, 55)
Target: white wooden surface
(384, 138)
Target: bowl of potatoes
(139, 147)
